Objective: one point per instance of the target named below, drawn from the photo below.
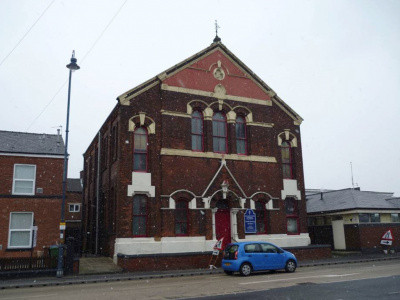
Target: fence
(27, 263)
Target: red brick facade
(163, 107)
(46, 206)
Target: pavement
(345, 258)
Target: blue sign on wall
(250, 221)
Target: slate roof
(31, 143)
(74, 185)
(348, 199)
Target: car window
(252, 248)
(268, 248)
(231, 248)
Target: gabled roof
(127, 96)
(349, 199)
(31, 143)
(74, 185)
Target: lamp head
(73, 66)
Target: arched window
(139, 219)
(261, 217)
(219, 133)
(140, 150)
(292, 216)
(197, 131)
(181, 217)
(241, 136)
(287, 161)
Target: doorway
(223, 222)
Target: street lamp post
(72, 66)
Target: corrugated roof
(31, 143)
(347, 199)
(74, 185)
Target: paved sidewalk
(83, 279)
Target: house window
(292, 216)
(20, 232)
(219, 133)
(140, 150)
(74, 208)
(287, 161)
(181, 218)
(24, 179)
(394, 218)
(261, 217)
(139, 222)
(369, 218)
(375, 218)
(197, 131)
(241, 136)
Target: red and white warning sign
(387, 238)
(218, 245)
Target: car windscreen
(230, 251)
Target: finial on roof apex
(217, 39)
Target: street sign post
(250, 221)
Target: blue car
(247, 257)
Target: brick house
(182, 156)
(73, 212)
(351, 219)
(31, 168)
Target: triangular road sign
(388, 235)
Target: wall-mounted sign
(250, 221)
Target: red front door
(223, 225)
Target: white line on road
(30, 297)
(297, 278)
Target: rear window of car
(231, 248)
(252, 248)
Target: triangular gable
(189, 75)
(217, 174)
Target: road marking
(296, 278)
(393, 293)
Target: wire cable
(83, 59)
(29, 30)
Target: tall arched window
(241, 136)
(139, 219)
(140, 150)
(181, 217)
(219, 133)
(197, 131)
(261, 217)
(287, 161)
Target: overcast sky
(336, 63)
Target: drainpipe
(98, 194)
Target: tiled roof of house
(31, 143)
(74, 185)
(348, 199)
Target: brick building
(31, 168)
(73, 212)
(182, 156)
(351, 219)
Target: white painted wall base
(281, 240)
(132, 246)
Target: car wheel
(245, 269)
(228, 272)
(290, 266)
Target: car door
(254, 255)
(272, 257)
